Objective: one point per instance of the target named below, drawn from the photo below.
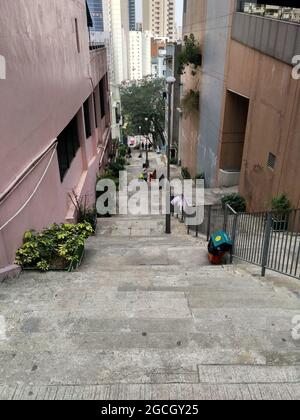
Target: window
(77, 35)
(271, 161)
(87, 120)
(95, 109)
(68, 145)
(102, 97)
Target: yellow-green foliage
(60, 244)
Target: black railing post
(266, 244)
(234, 231)
(208, 223)
(225, 218)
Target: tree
(143, 106)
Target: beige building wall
(193, 23)
(273, 125)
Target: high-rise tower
(159, 18)
(132, 21)
(96, 9)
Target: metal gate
(268, 239)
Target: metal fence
(214, 220)
(270, 240)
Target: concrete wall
(193, 23)
(234, 128)
(48, 80)
(273, 125)
(217, 34)
(172, 52)
(276, 38)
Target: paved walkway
(146, 318)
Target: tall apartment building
(116, 26)
(132, 20)
(96, 11)
(116, 23)
(247, 131)
(55, 119)
(140, 55)
(159, 18)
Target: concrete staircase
(147, 317)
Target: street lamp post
(170, 82)
(147, 146)
(140, 132)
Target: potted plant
(281, 209)
(84, 212)
(58, 248)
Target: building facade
(116, 26)
(140, 54)
(248, 132)
(116, 23)
(57, 91)
(96, 10)
(132, 19)
(159, 17)
(194, 16)
(136, 51)
(172, 51)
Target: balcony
(287, 14)
(272, 30)
(96, 46)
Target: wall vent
(271, 161)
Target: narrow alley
(146, 317)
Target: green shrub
(235, 201)
(190, 55)
(85, 213)
(281, 204)
(191, 102)
(185, 173)
(108, 175)
(57, 247)
(122, 151)
(200, 176)
(114, 169)
(121, 161)
(174, 161)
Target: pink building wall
(48, 80)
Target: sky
(179, 9)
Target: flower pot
(69, 267)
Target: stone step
(78, 342)
(146, 240)
(134, 366)
(113, 282)
(269, 322)
(120, 257)
(242, 300)
(169, 392)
